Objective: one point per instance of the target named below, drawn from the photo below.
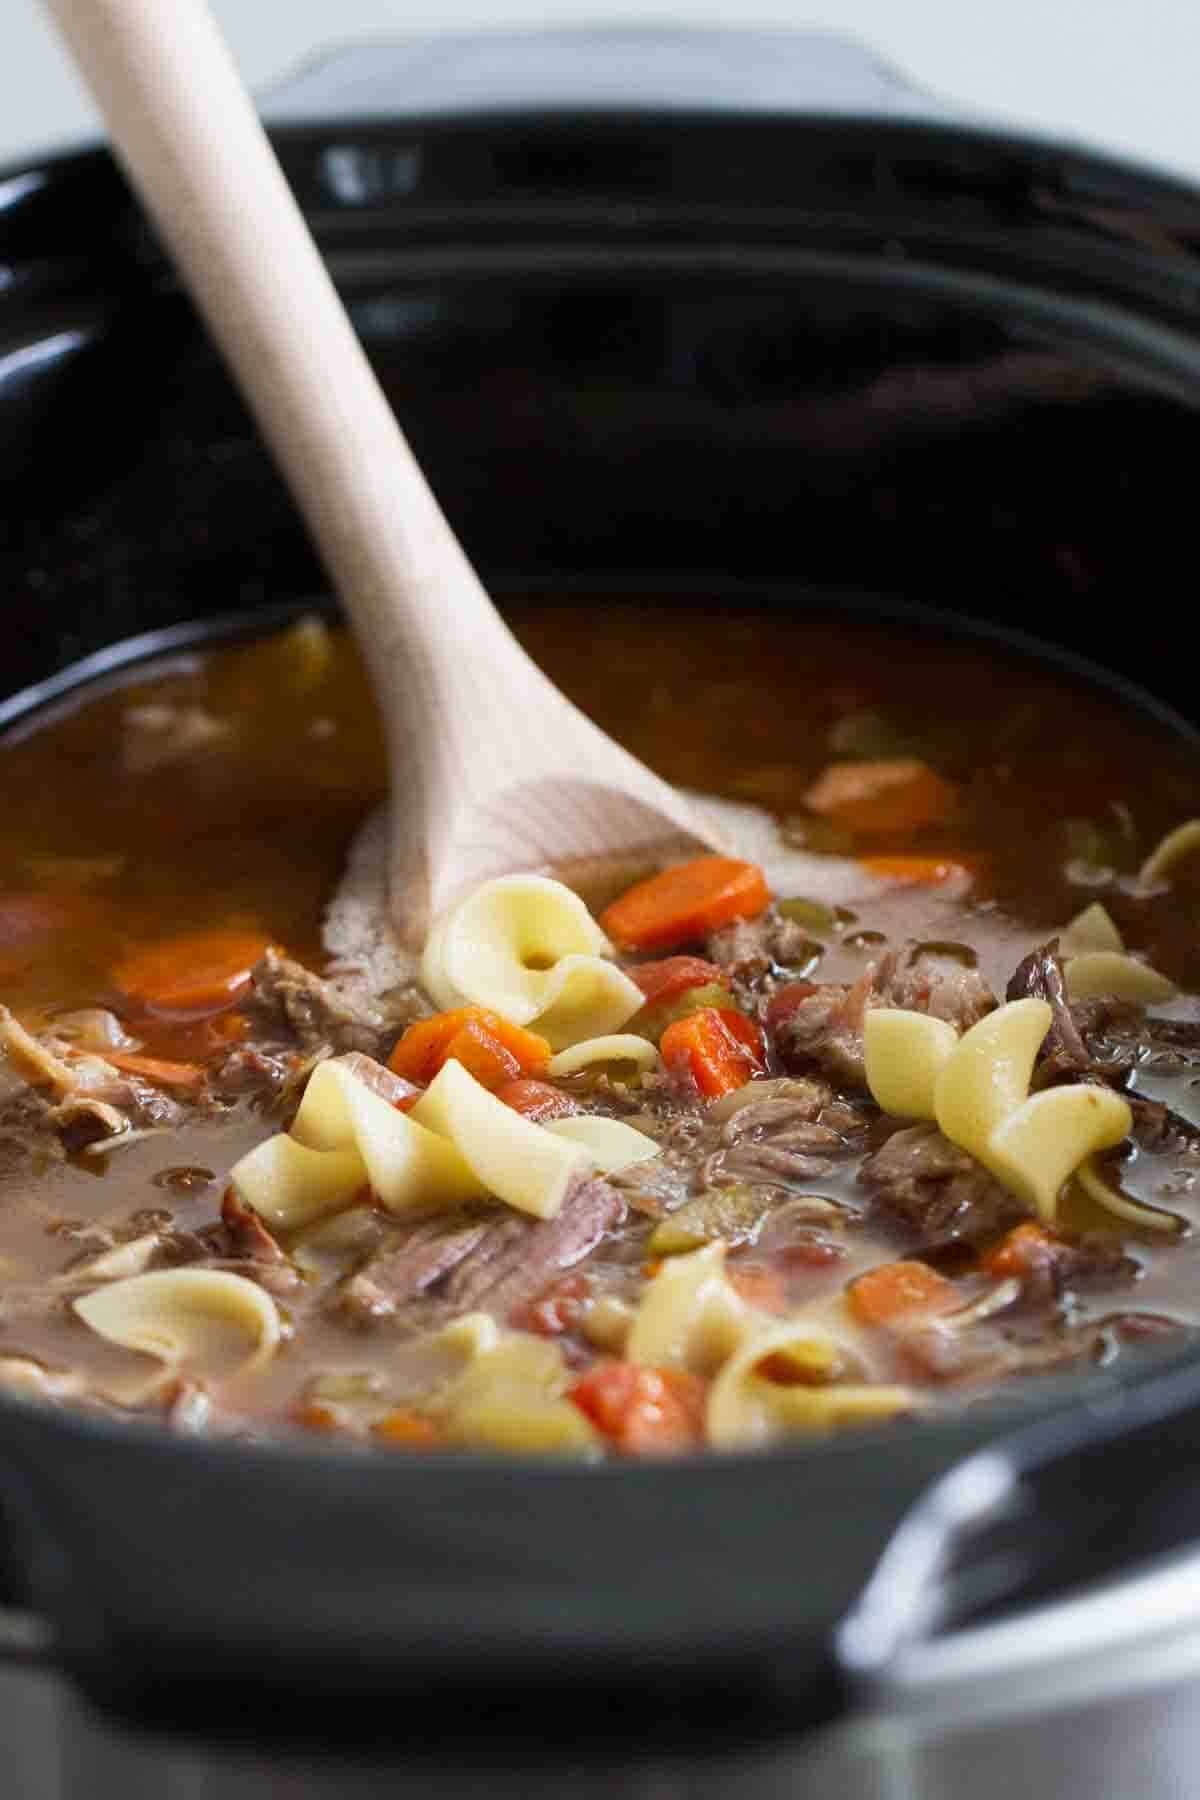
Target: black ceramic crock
(680, 312)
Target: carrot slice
(482, 1054)
(643, 1412)
(537, 1100)
(685, 902)
(494, 1049)
(918, 871)
(1022, 1252)
(185, 977)
(898, 793)
(318, 1415)
(895, 1292)
(673, 976)
(404, 1429)
(719, 1049)
(156, 1069)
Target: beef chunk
(793, 1133)
(1053, 1266)
(81, 1120)
(418, 1255)
(291, 1001)
(246, 1235)
(923, 1181)
(239, 1243)
(258, 1072)
(517, 1258)
(1040, 977)
(821, 1022)
(755, 953)
(922, 979)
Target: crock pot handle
(619, 69)
(1088, 1494)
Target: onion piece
(1113, 972)
(94, 1028)
(1091, 929)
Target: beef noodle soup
(895, 1105)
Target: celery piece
(731, 1213)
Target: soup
(893, 1106)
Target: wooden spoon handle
(491, 767)
(187, 133)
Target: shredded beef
(1040, 977)
(417, 1256)
(792, 1135)
(821, 1022)
(253, 1071)
(81, 1120)
(921, 979)
(924, 1182)
(1052, 1267)
(517, 1258)
(238, 1243)
(247, 1237)
(291, 1001)
(756, 953)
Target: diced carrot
(464, 1034)
(156, 1070)
(685, 902)
(482, 1055)
(556, 1309)
(758, 1286)
(319, 1415)
(182, 977)
(897, 1291)
(898, 793)
(1022, 1251)
(644, 1412)
(719, 1049)
(537, 1100)
(404, 1429)
(919, 871)
(785, 1001)
(673, 976)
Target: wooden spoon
(492, 769)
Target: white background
(1121, 74)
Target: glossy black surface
(853, 351)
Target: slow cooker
(665, 311)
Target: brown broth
(224, 789)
